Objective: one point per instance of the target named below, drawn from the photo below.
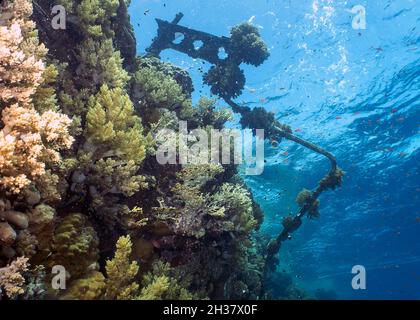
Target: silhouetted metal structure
(169, 32)
(209, 51)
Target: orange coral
(20, 74)
(28, 141)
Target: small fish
(394, 110)
(338, 118)
(298, 130)
(274, 143)
(146, 12)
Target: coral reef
(31, 141)
(80, 186)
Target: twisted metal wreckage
(209, 50)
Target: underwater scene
(209, 150)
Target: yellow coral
(74, 245)
(156, 90)
(237, 205)
(95, 16)
(156, 289)
(160, 283)
(111, 122)
(90, 287)
(103, 63)
(121, 273)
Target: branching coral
(20, 74)
(75, 245)
(11, 279)
(209, 115)
(113, 127)
(114, 147)
(160, 283)
(101, 64)
(95, 14)
(21, 55)
(121, 273)
(193, 203)
(155, 90)
(181, 76)
(200, 209)
(237, 207)
(45, 98)
(156, 289)
(90, 287)
(29, 142)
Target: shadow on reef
(81, 120)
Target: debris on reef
(227, 80)
(225, 77)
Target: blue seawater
(355, 92)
